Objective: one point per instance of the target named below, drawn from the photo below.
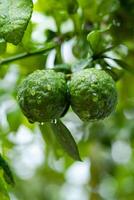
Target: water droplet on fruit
(32, 92)
(39, 100)
(93, 78)
(49, 87)
(95, 97)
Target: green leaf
(66, 140)
(3, 190)
(72, 6)
(98, 42)
(63, 136)
(14, 18)
(94, 38)
(7, 172)
(50, 140)
(2, 46)
(47, 133)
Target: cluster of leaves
(102, 34)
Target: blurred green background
(45, 172)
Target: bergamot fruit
(93, 94)
(42, 96)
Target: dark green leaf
(50, 34)
(50, 140)
(72, 6)
(7, 172)
(66, 140)
(67, 107)
(14, 17)
(47, 133)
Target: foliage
(68, 36)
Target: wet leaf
(14, 18)
(7, 174)
(47, 133)
(66, 140)
(98, 42)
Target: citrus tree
(66, 99)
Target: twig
(28, 54)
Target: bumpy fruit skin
(93, 94)
(42, 96)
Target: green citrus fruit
(93, 94)
(43, 95)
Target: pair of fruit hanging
(45, 96)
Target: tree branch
(47, 48)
